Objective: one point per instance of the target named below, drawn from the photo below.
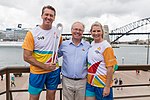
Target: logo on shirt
(40, 38)
(98, 50)
(83, 49)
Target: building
(13, 34)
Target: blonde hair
(97, 24)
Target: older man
(74, 66)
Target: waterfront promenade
(128, 77)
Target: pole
(122, 60)
(148, 50)
(8, 85)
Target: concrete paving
(131, 77)
(128, 77)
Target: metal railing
(25, 69)
(16, 69)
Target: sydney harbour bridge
(113, 36)
(127, 29)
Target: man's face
(48, 17)
(77, 31)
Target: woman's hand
(106, 91)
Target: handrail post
(7, 85)
(60, 94)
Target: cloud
(115, 13)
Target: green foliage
(89, 39)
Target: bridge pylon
(106, 33)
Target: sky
(114, 13)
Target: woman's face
(97, 33)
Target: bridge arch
(125, 30)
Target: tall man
(38, 48)
(74, 66)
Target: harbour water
(132, 54)
(11, 56)
(126, 54)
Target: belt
(74, 78)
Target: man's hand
(30, 59)
(50, 66)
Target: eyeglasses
(96, 30)
(76, 29)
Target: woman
(101, 63)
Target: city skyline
(114, 13)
